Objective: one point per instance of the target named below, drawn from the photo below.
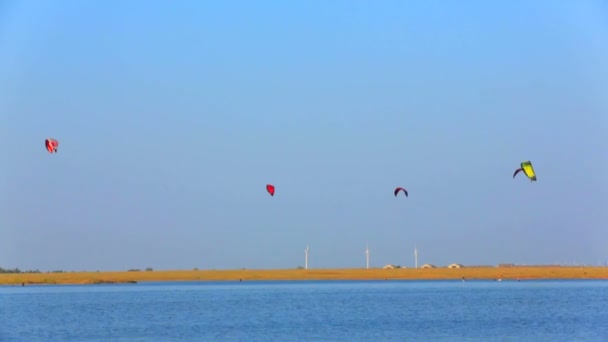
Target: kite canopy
(400, 189)
(528, 170)
(270, 189)
(51, 145)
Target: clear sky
(173, 116)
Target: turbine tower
(367, 256)
(416, 256)
(306, 258)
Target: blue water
(308, 311)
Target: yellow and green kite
(527, 168)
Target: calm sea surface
(308, 311)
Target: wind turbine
(367, 256)
(306, 257)
(416, 256)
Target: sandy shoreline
(513, 273)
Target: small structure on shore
(428, 266)
(455, 266)
(391, 266)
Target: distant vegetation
(17, 270)
(149, 269)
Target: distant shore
(473, 273)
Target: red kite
(270, 189)
(51, 145)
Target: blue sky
(173, 116)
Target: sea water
(308, 311)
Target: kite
(51, 145)
(400, 189)
(528, 170)
(270, 189)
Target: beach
(440, 273)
